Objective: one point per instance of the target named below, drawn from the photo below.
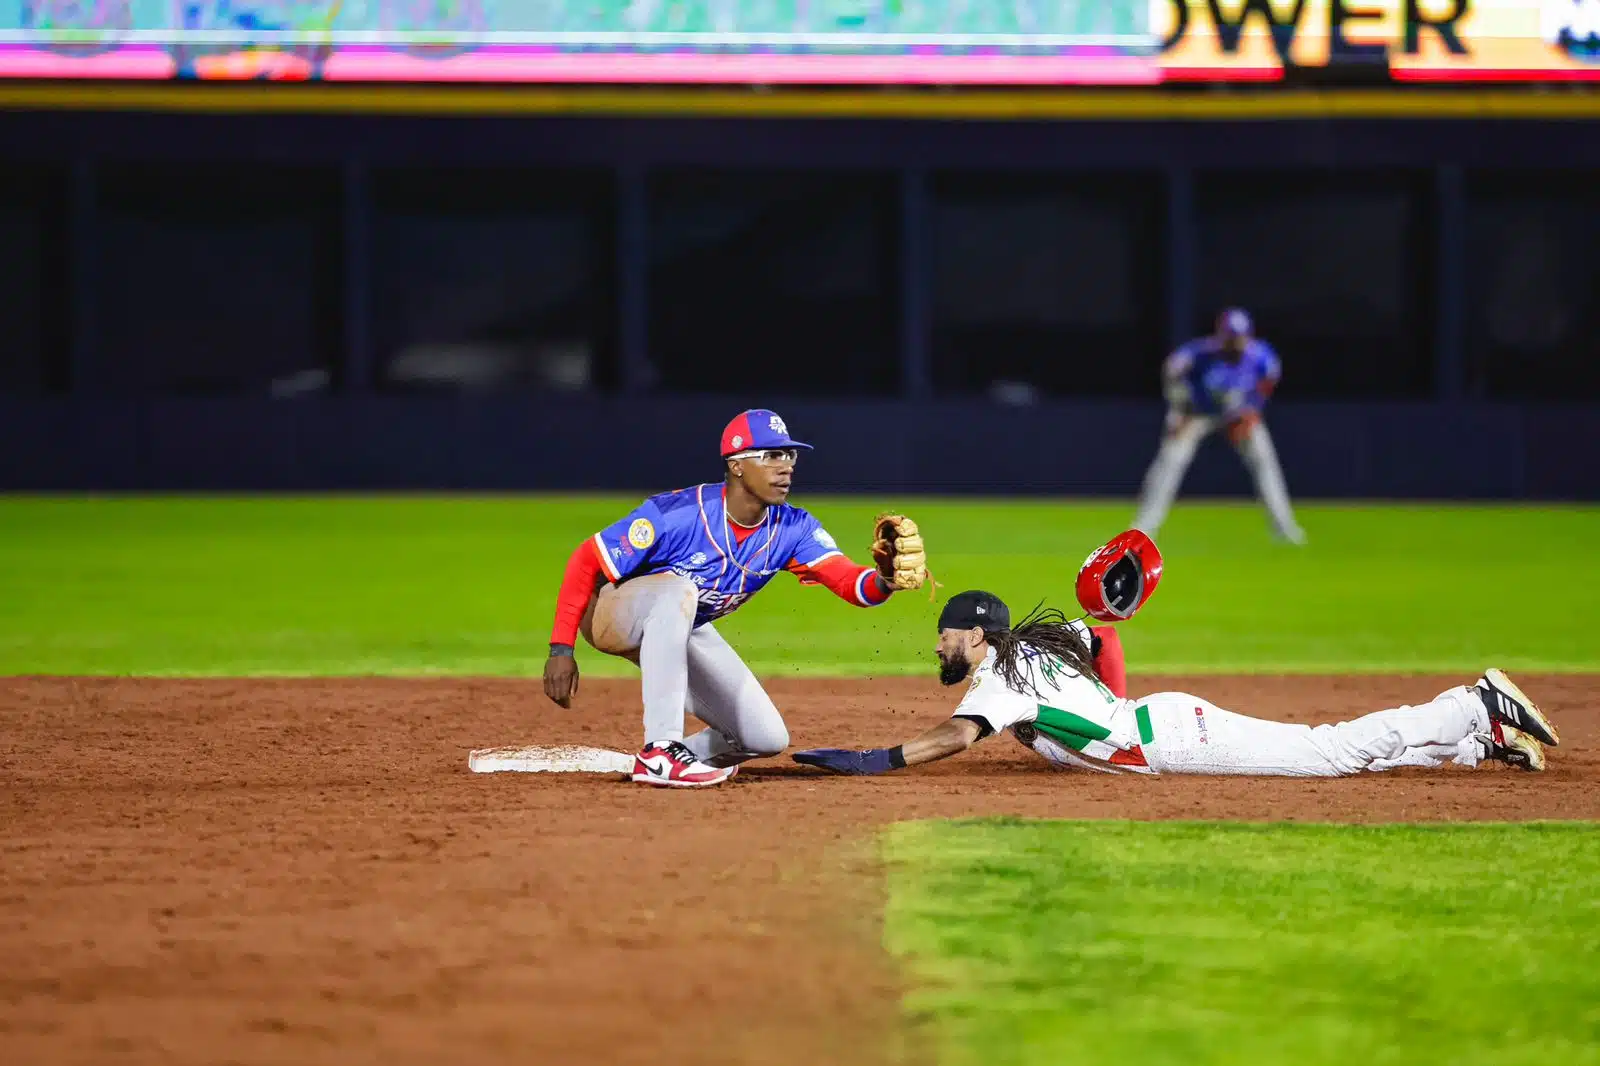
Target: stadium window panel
(1047, 283)
(1533, 286)
(493, 280)
(217, 279)
(33, 281)
(774, 283)
(1337, 269)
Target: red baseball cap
(756, 429)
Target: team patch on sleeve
(642, 533)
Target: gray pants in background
(1166, 473)
(650, 621)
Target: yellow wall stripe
(1133, 105)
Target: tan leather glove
(898, 553)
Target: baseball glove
(897, 552)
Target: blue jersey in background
(1215, 385)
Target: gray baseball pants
(1166, 473)
(684, 670)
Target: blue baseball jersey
(687, 532)
(1216, 386)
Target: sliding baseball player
(1037, 679)
(649, 587)
(1219, 382)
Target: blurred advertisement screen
(1415, 40)
(952, 42)
(840, 42)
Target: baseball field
(237, 824)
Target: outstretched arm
(862, 586)
(942, 741)
(948, 738)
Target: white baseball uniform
(1076, 722)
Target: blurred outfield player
(649, 586)
(1038, 680)
(1221, 381)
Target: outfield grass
(443, 585)
(1060, 942)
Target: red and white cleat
(669, 764)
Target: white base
(564, 759)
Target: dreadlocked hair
(1045, 632)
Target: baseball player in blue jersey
(649, 587)
(1221, 381)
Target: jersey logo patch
(641, 534)
(689, 575)
(697, 559)
(824, 538)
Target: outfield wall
(237, 289)
(169, 253)
(1400, 450)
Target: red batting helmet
(1117, 579)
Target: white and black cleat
(1510, 706)
(1512, 747)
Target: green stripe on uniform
(1074, 741)
(1056, 720)
(1142, 716)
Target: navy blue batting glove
(845, 761)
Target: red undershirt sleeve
(1109, 664)
(583, 576)
(851, 582)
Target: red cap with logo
(755, 430)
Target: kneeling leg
(724, 694)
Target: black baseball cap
(975, 610)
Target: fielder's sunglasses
(770, 456)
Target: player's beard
(953, 671)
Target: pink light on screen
(495, 65)
(142, 64)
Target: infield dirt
(305, 872)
